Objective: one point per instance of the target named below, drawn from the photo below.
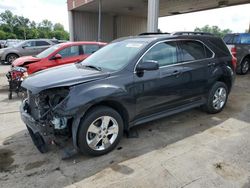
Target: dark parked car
(126, 83)
(239, 44)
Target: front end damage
(42, 114)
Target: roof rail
(153, 33)
(191, 33)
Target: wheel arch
(245, 57)
(227, 80)
(14, 53)
(117, 106)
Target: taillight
(234, 51)
(234, 62)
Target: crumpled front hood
(26, 59)
(66, 75)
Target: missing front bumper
(40, 134)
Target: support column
(153, 14)
(71, 26)
(100, 21)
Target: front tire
(245, 65)
(217, 98)
(10, 58)
(100, 131)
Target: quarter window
(193, 50)
(69, 51)
(163, 53)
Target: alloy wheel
(102, 133)
(245, 67)
(219, 98)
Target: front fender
(81, 99)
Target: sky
(236, 18)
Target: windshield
(48, 51)
(114, 56)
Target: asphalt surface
(191, 149)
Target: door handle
(210, 64)
(176, 73)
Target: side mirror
(148, 65)
(57, 56)
(24, 46)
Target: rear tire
(245, 65)
(100, 131)
(217, 98)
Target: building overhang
(140, 7)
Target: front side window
(48, 51)
(30, 44)
(70, 51)
(90, 48)
(164, 53)
(193, 50)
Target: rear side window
(42, 43)
(194, 50)
(163, 53)
(245, 39)
(90, 48)
(69, 51)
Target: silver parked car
(25, 48)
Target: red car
(58, 54)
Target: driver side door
(71, 54)
(28, 48)
(159, 90)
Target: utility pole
(249, 28)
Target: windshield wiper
(94, 67)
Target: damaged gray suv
(128, 82)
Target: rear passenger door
(41, 45)
(197, 64)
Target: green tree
(58, 27)
(60, 35)
(7, 18)
(14, 26)
(214, 30)
(3, 35)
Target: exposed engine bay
(42, 107)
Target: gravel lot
(191, 149)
